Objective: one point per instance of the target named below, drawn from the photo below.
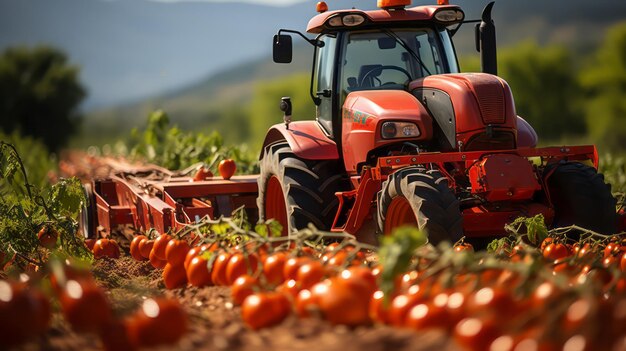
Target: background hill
(205, 62)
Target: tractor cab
(382, 49)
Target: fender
(526, 135)
(306, 139)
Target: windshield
(392, 58)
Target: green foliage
(39, 94)
(613, 166)
(604, 81)
(545, 88)
(172, 148)
(536, 230)
(26, 208)
(264, 111)
(396, 252)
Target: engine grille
(491, 102)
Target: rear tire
(415, 196)
(308, 189)
(581, 197)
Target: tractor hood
(365, 112)
(472, 111)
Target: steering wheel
(381, 68)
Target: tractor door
(324, 84)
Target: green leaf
(396, 252)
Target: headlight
(349, 20)
(448, 16)
(392, 130)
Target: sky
(261, 2)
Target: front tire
(415, 196)
(297, 192)
(580, 197)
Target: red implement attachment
(169, 202)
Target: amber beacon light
(321, 7)
(393, 4)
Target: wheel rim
(275, 203)
(399, 213)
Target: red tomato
(305, 302)
(115, 336)
(218, 273)
(623, 262)
(463, 247)
(160, 244)
(227, 168)
(85, 306)
(475, 333)
(158, 321)
(242, 287)
(48, 237)
(176, 252)
(155, 261)
(378, 310)
(239, 265)
(174, 276)
(134, 248)
(273, 268)
(198, 272)
(203, 174)
(310, 274)
(18, 314)
(106, 248)
(290, 270)
(289, 288)
(555, 251)
(145, 247)
(90, 243)
(343, 301)
(265, 309)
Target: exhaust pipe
(486, 42)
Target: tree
(39, 94)
(544, 87)
(604, 81)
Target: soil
(215, 324)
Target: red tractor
(401, 137)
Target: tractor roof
(320, 23)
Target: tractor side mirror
(282, 49)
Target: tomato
(310, 274)
(264, 309)
(495, 300)
(273, 268)
(155, 261)
(432, 314)
(227, 168)
(193, 252)
(578, 313)
(364, 273)
(145, 247)
(160, 244)
(475, 333)
(290, 270)
(48, 237)
(239, 265)
(176, 252)
(547, 241)
(555, 251)
(378, 310)
(343, 301)
(614, 248)
(158, 321)
(305, 303)
(43, 310)
(545, 294)
(400, 307)
(463, 247)
(89, 243)
(622, 263)
(134, 248)
(290, 288)
(203, 174)
(18, 313)
(85, 306)
(106, 248)
(198, 272)
(218, 273)
(242, 287)
(174, 276)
